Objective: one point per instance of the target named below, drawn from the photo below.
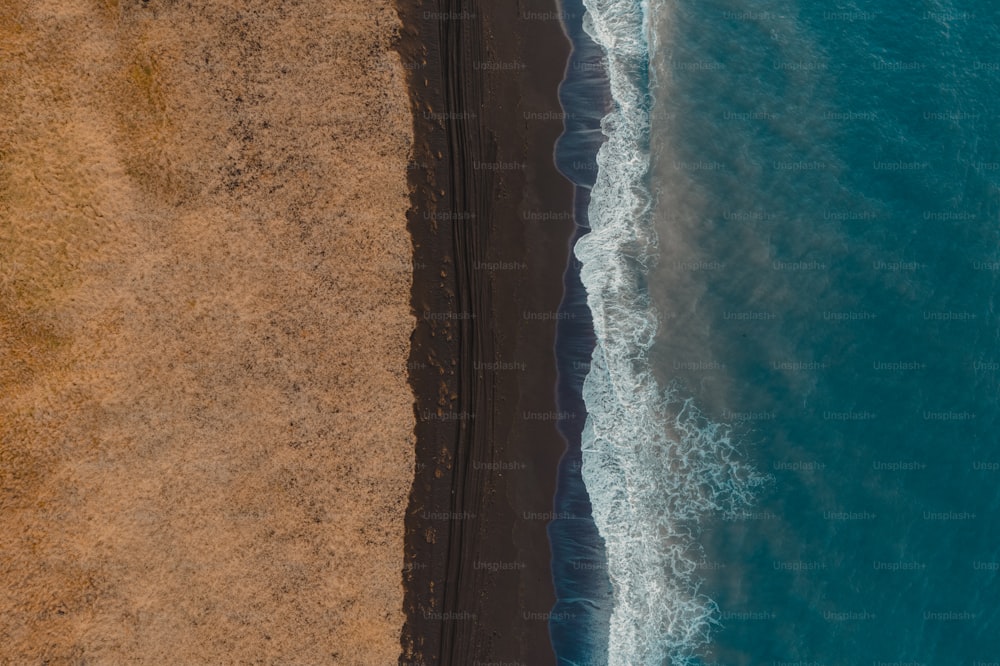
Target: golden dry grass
(205, 426)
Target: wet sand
(206, 431)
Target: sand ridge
(206, 433)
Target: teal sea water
(791, 450)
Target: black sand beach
(491, 224)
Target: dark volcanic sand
(487, 285)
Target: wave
(654, 466)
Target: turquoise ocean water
(790, 250)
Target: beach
(206, 427)
(491, 223)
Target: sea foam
(654, 466)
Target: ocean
(789, 252)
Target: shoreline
(580, 627)
(490, 247)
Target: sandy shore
(206, 432)
(491, 224)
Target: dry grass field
(206, 439)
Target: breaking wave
(654, 466)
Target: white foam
(652, 464)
